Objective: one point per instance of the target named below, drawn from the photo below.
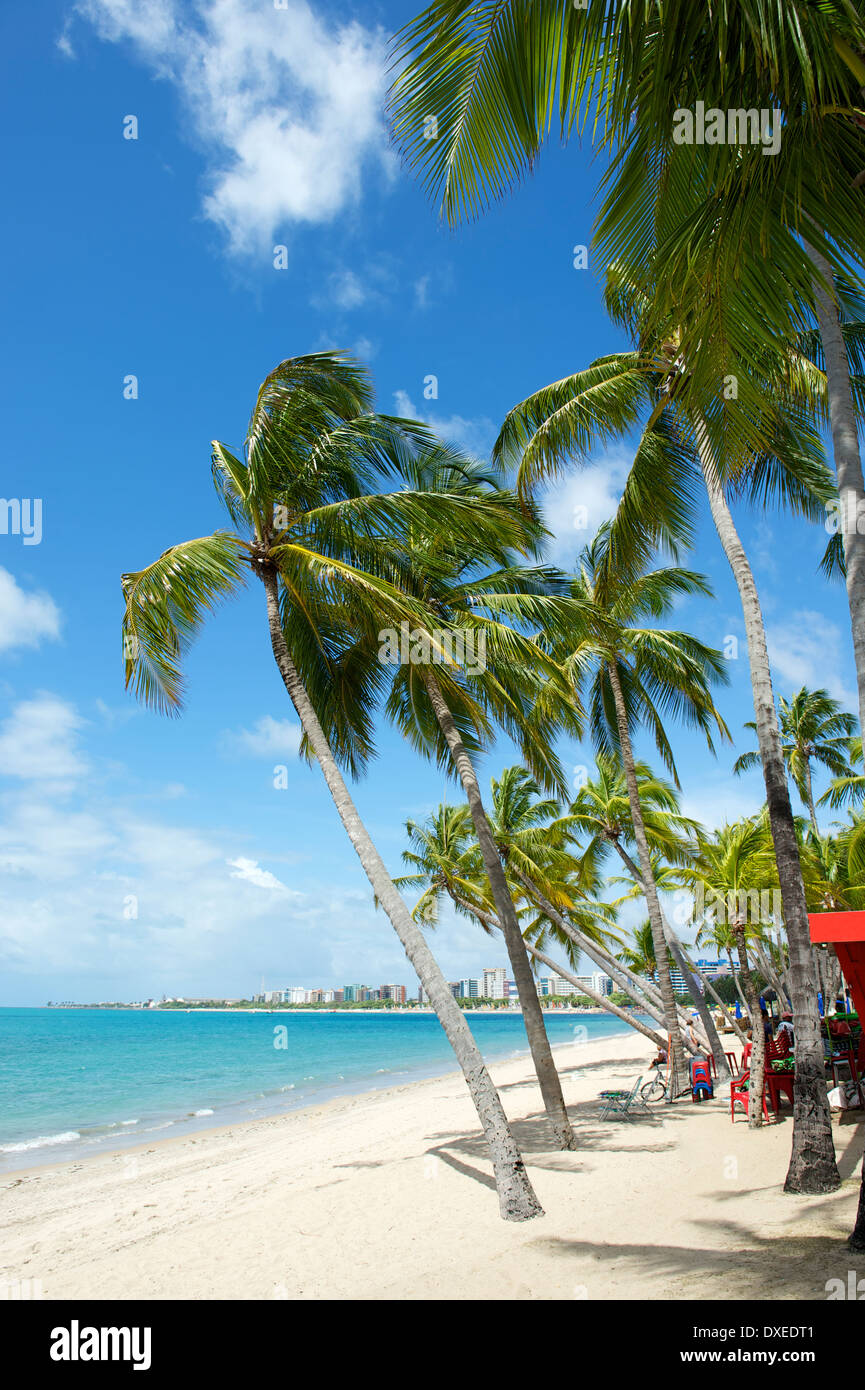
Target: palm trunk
(607, 1004)
(711, 1033)
(533, 1018)
(710, 988)
(812, 1161)
(764, 961)
(517, 1200)
(810, 798)
(647, 877)
(758, 1035)
(737, 982)
(857, 1239)
(848, 462)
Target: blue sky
(140, 855)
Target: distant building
(355, 994)
(396, 993)
(713, 967)
(470, 989)
(599, 982)
(494, 984)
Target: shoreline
(390, 1196)
(37, 1157)
(288, 1009)
(353, 1096)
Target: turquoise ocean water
(75, 1082)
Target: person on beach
(785, 1029)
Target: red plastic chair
(740, 1095)
(779, 1083)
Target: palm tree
(813, 728)
(445, 862)
(658, 506)
(535, 844)
(734, 865)
(601, 811)
(311, 526)
(497, 76)
(634, 673)
(455, 581)
(640, 955)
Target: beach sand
(389, 1196)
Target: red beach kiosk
(846, 932)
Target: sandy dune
(389, 1196)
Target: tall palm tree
(814, 728)
(636, 675)
(470, 588)
(497, 76)
(312, 526)
(658, 505)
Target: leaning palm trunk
(626, 981)
(601, 1000)
(688, 975)
(757, 1080)
(731, 1019)
(647, 878)
(517, 1200)
(533, 1018)
(764, 960)
(812, 1161)
(848, 462)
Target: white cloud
(25, 618)
(348, 290)
(38, 741)
(808, 649)
(285, 103)
(576, 506)
(268, 737)
(421, 292)
(475, 436)
(250, 871)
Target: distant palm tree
(640, 955)
(313, 528)
(734, 864)
(601, 810)
(814, 728)
(445, 861)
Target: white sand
(388, 1195)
